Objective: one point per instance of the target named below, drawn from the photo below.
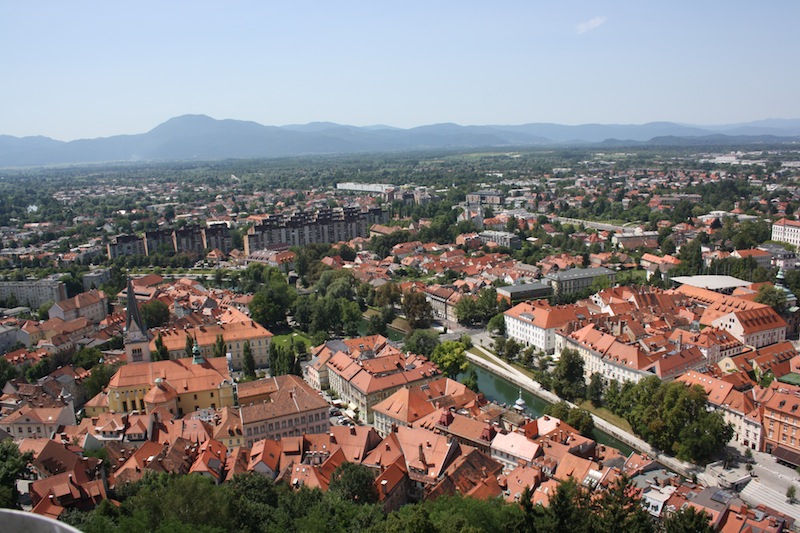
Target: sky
(86, 69)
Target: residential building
(754, 327)
(37, 422)
(33, 294)
(218, 236)
(410, 404)
(501, 238)
(125, 245)
(188, 240)
(293, 409)
(514, 449)
(328, 225)
(761, 257)
(578, 279)
(785, 230)
(235, 335)
(485, 197)
(513, 294)
(363, 383)
(92, 305)
(781, 425)
(535, 323)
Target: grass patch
(475, 351)
(286, 339)
(607, 415)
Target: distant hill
(198, 137)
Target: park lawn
(285, 339)
(607, 415)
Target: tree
(773, 297)
(271, 302)
(418, 310)
(451, 358)
(388, 294)
(162, 352)
(7, 371)
(791, 493)
(353, 482)
(376, 325)
(220, 347)
(668, 246)
(497, 324)
(569, 510)
(101, 375)
(594, 391)
(189, 346)
(248, 361)
(13, 465)
(567, 380)
(619, 509)
(467, 310)
(471, 380)
(86, 358)
(155, 314)
(688, 520)
(421, 342)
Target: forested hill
(198, 137)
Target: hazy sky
(83, 69)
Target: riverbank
(497, 366)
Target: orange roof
(543, 315)
(180, 373)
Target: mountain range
(202, 138)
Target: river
(499, 390)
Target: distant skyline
(92, 69)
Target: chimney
(352, 430)
(384, 485)
(421, 455)
(333, 438)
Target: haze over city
(96, 69)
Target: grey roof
(525, 287)
(714, 283)
(580, 273)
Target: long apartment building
(189, 239)
(300, 228)
(33, 293)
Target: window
(195, 396)
(212, 395)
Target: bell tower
(137, 340)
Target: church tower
(137, 340)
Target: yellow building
(180, 386)
(235, 334)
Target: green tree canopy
(155, 314)
(451, 358)
(418, 310)
(353, 482)
(567, 380)
(421, 342)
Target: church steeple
(132, 310)
(137, 340)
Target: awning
(786, 455)
(350, 413)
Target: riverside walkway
(497, 366)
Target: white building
(786, 231)
(535, 323)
